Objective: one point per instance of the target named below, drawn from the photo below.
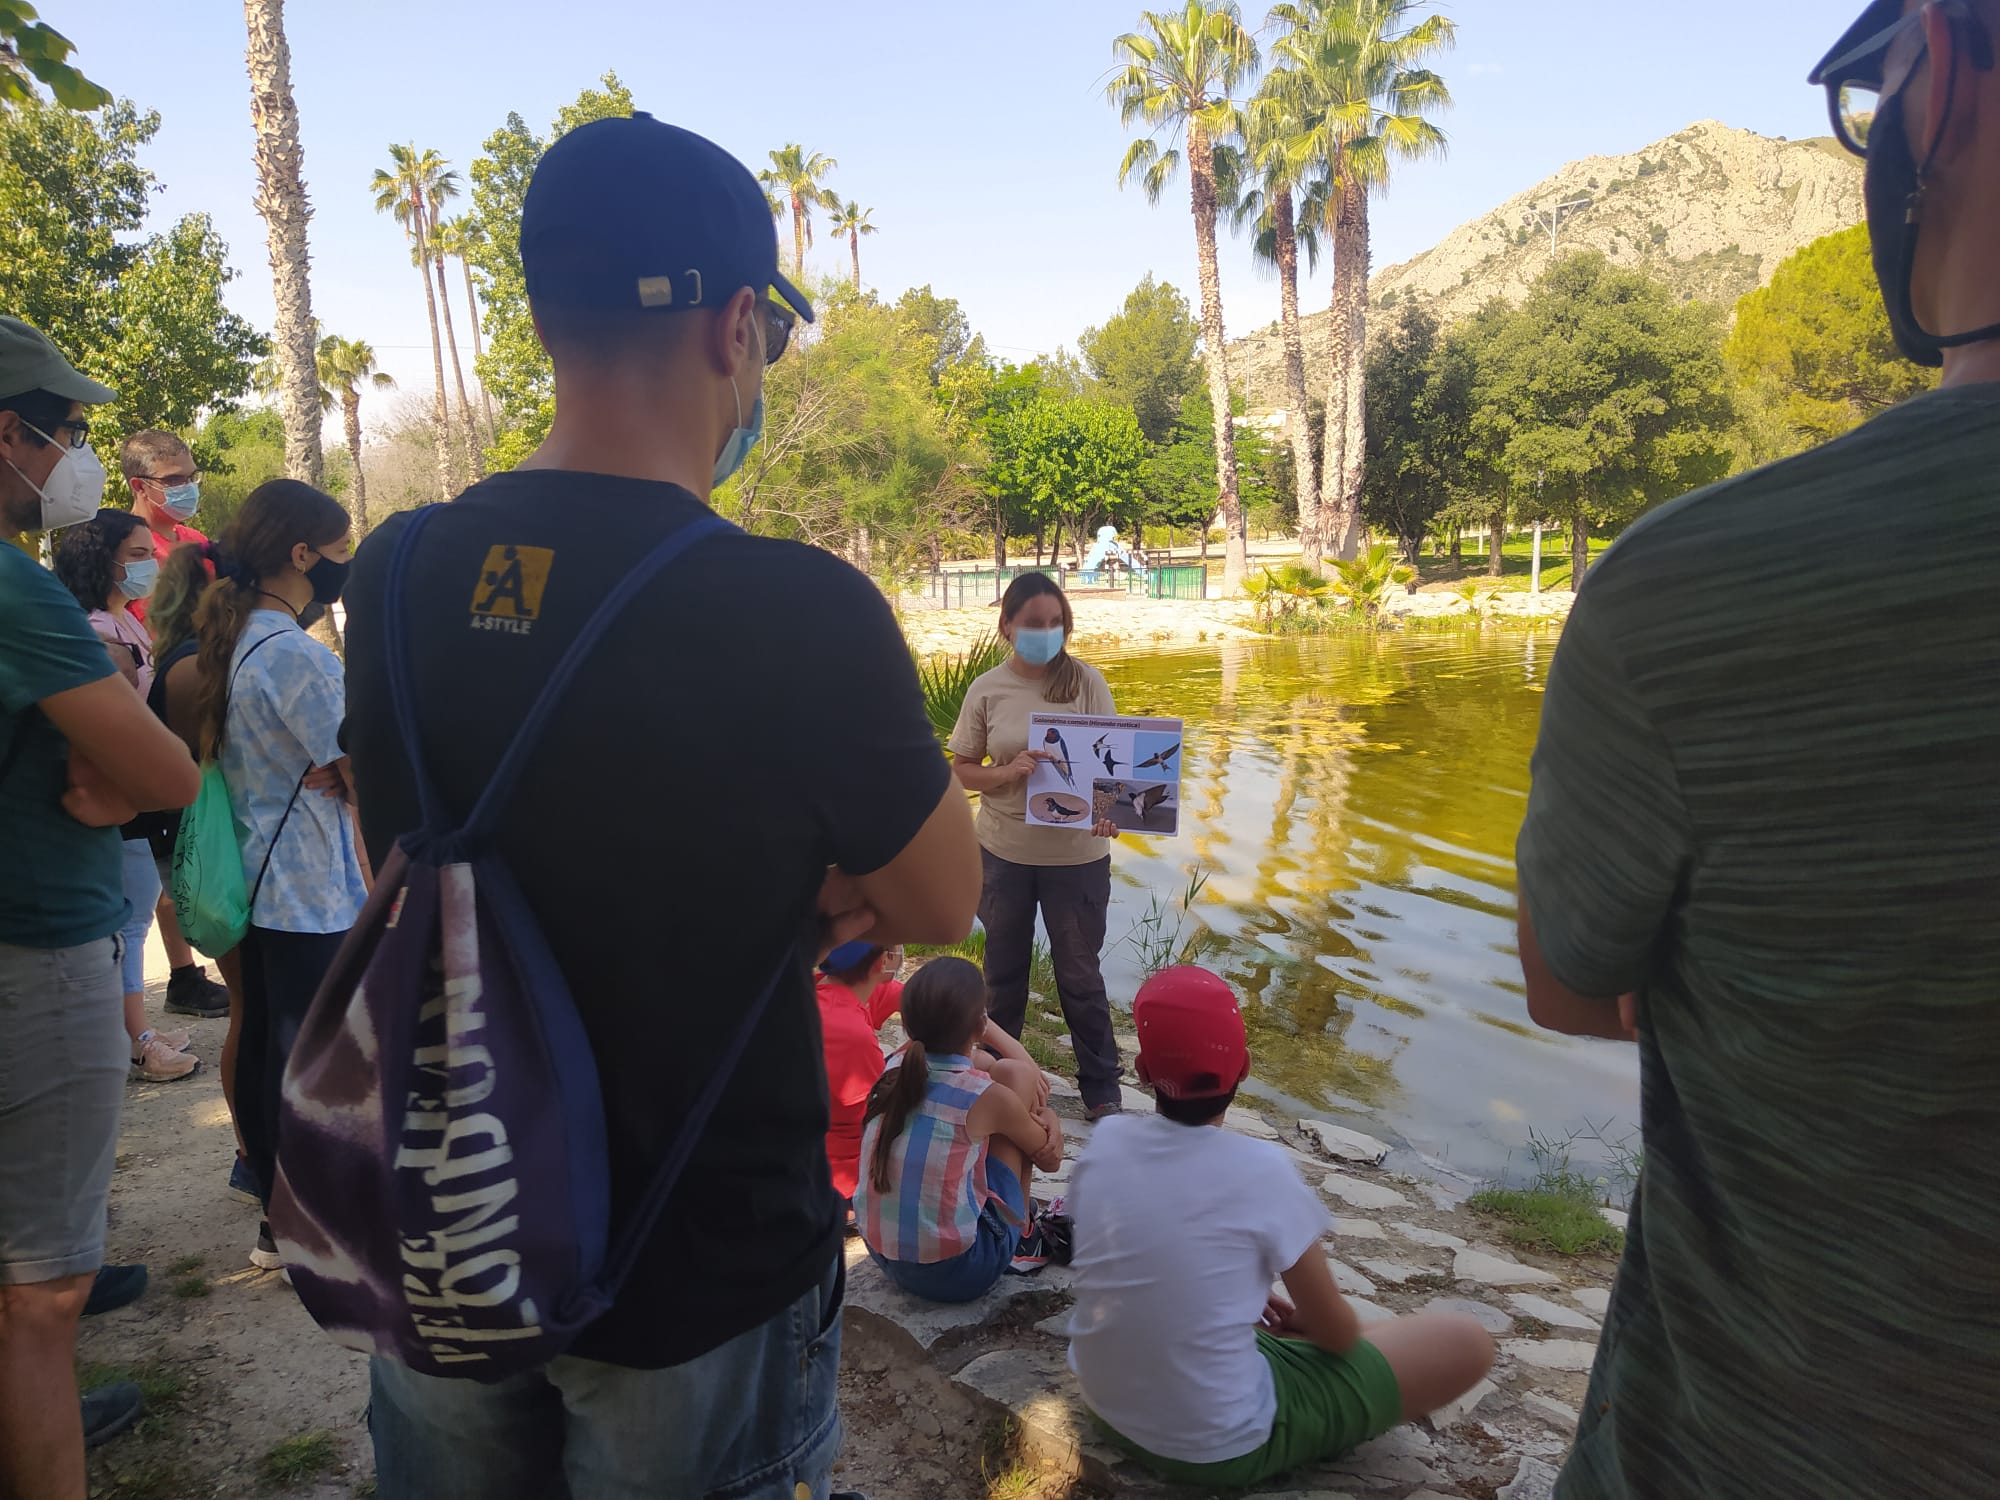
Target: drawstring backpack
(442, 1195)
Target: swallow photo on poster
(1095, 768)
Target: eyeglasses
(172, 481)
(1858, 80)
(778, 324)
(79, 432)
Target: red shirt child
(855, 997)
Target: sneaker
(115, 1287)
(190, 992)
(1097, 1112)
(1031, 1252)
(156, 1062)
(174, 1041)
(109, 1411)
(243, 1183)
(264, 1254)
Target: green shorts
(1327, 1404)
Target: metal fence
(1182, 581)
(979, 588)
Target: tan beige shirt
(993, 725)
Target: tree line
(1603, 394)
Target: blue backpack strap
(487, 811)
(402, 696)
(624, 1251)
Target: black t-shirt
(752, 719)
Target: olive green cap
(29, 362)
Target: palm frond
(945, 680)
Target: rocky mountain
(1712, 211)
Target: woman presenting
(1064, 872)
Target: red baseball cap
(1191, 1039)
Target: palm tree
(1271, 129)
(281, 199)
(403, 191)
(443, 186)
(461, 237)
(852, 220)
(794, 179)
(1362, 97)
(345, 366)
(341, 368)
(1177, 75)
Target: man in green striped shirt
(1764, 837)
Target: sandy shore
(1109, 620)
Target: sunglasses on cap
(1857, 80)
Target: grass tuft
(160, 1383)
(1558, 1213)
(299, 1458)
(187, 1265)
(189, 1287)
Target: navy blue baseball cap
(635, 213)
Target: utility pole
(1552, 219)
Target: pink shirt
(120, 626)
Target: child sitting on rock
(858, 991)
(948, 1142)
(1183, 1347)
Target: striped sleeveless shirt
(937, 1172)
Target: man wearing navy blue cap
(1764, 835)
(752, 723)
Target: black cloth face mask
(1893, 189)
(328, 578)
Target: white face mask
(75, 486)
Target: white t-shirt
(1180, 1231)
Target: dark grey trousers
(1073, 900)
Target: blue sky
(978, 133)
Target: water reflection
(1354, 804)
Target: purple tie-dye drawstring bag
(442, 1194)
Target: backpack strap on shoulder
(402, 695)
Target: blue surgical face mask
(737, 449)
(181, 501)
(140, 578)
(1039, 647)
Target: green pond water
(1353, 803)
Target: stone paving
(1506, 1438)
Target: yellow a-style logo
(511, 582)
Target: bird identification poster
(1126, 770)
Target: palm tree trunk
(1495, 562)
(281, 200)
(350, 411)
(854, 244)
(472, 464)
(798, 238)
(440, 424)
(478, 352)
(1305, 477)
(1346, 411)
(1236, 543)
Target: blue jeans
(757, 1419)
(142, 894)
(971, 1273)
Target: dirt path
(249, 1398)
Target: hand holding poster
(1127, 771)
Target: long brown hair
(944, 1007)
(1065, 683)
(279, 514)
(170, 614)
